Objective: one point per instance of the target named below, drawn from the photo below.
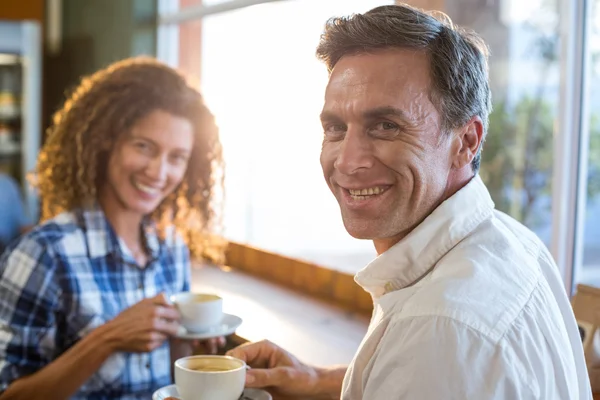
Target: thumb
(161, 299)
(259, 378)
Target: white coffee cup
(199, 311)
(210, 377)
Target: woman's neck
(125, 223)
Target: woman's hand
(143, 327)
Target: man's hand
(143, 327)
(275, 368)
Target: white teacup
(199, 311)
(210, 377)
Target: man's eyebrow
(386, 111)
(377, 112)
(329, 116)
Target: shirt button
(148, 365)
(140, 285)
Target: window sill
(332, 286)
(316, 331)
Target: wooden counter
(316, 332)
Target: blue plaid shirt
(71, 275)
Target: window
(261, 79)
(524, 76)
(183, 4)
(263, 82)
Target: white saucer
(249, 394)
(228, 325)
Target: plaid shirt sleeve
(28, 306)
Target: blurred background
(256, 67)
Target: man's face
(384, 155)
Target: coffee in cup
(199, 311)
(210, 377)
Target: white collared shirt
(469, 305)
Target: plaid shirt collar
(102, 240)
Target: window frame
(569, 183)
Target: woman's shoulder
(56, 227)
(34, 263)
(45, 236)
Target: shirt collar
(413, 257)
(103, 241)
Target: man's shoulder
(485, 281)
(511, 227)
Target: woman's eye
(141, 145)
(180, 158)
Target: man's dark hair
(458, 57)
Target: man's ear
(469, 139)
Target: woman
(128, 175)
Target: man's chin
(361, 233)
(377, 232)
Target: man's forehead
(387, 69)
(362, 83)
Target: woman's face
(148, 163)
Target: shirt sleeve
(431, 358)
(28, 307)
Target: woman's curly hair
(72, 164)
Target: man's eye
(335, 129)
(384, 130)
(386, 126)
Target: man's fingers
(245, 352)
(256, 355)
(274, 377)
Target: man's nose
(355, 153)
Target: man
(468, 303)
(13, 219)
